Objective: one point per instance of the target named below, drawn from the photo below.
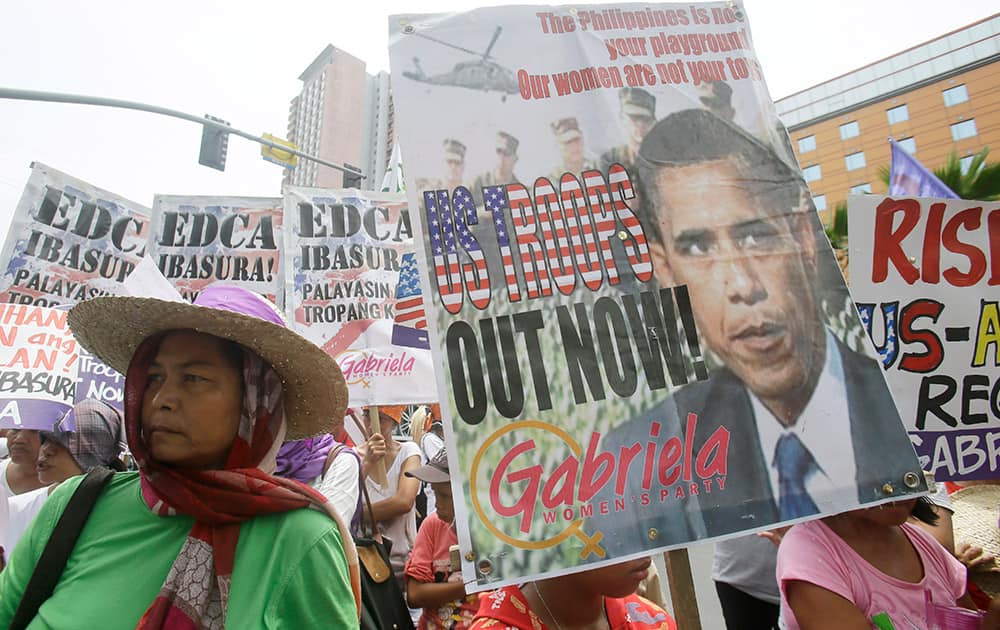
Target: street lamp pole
(80, 99)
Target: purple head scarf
(303, 460)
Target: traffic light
(352, 176)
(214, 144)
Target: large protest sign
(197, 241)
(925, 274)
(38, 367)
(642, 334)
(351, 287)
(69, 241)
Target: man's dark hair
(696, 136)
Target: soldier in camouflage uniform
(638, 114)
(503, 172)
(574, 156)
(454, 168)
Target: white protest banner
(69, 241)
(925, 274)
(351, 287)
(640, 327)
(197, 241)
(38, 367)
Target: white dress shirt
(824, 428)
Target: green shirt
(290, 570)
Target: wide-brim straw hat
(315, 393)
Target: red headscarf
(219, 500)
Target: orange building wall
(929, 123)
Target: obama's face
(750, 269)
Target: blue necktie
(794, 464)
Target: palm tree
(836, 232)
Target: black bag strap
(51, 564)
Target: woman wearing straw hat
(202, 536)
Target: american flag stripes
(559, 231)
(477, 280)
(495, 198)
(442, 236)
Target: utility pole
(220, 128)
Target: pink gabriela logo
(668, 463)
(360, 366)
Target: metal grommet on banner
(654, 533)
(911, 480)
(888, 489)
(573, 10)
(622, 234)
(408, 29)
(470, 556)
(485, 567)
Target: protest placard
(351, 286)
(197, 241)
(642, 334)
(38, 367)
(69, 241)
(925, 273)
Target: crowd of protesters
(245, 494)
(230, 440)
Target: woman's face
(443, 501)
(23, 446)
(192, 403)
(617, 580)
(55, 463)
(888, 514)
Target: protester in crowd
(867, 567)
(394, 501)
(976, 506)
(597, 598)
(432, 582)
(91, 434)
(192, 538)
(431, 441)
(330, 467)
(17, 474)
(743, 570)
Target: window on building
(820, 202)
(966, 163)
(807, 144)
(812, 173)
(861, 189)
(908, 144)
(849, 130)
(855, 161)
(897, 114)
(964, 129)
(955, 95)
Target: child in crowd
(432, 583)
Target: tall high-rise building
(934, 99)
(343, 115)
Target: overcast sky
(240, 61)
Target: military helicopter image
(483, 74)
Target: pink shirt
(812, 552)
(430, 562)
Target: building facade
(343, 115)
(940, 97)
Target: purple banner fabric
(959, 455)
(40, 415)
(909, 178)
